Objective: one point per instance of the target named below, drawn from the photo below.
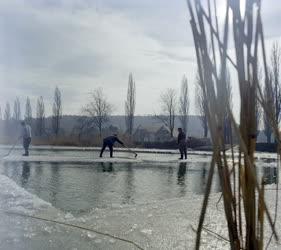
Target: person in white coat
(26, 137)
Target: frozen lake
(124, 198)
(79, 188)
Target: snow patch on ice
(16, 199)
(91, 235)
(146, 231)
(112, 241)
(68, 216)
(98, 241)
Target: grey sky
(80, 45)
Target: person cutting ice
(109, 142)
(182, 143)
(26, 137)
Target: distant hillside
(68, 122)
(149, 122)
(194, 125)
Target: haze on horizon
(80, 45)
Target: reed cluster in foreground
(242, 193)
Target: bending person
(26, 137)
(182, 143)
(109, 142)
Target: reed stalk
(244, 213)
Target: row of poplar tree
(39, 121)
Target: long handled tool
(12, 148)
(130, 150)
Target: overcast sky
(80, 45)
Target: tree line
(271, 92)
(39, 121)
(95, 114)
(97, 111)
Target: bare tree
(40, 116)
(168, 115)
(226, 97)
(7, 118)
(272, 91)
(259, 111)
(270, 102)
(184, 104)
(98, 110)
(28, 111)
(7, 112)
(201, 105)
(275, 68)
(130, 105)
(259, 114)
(84, 125)
(227, 101)
(17, 110)
(57, 111)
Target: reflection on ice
(79, 188)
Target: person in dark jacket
(26, 137)
(182, 143)
(109, 142)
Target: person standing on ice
(182, 143)
(109, 142)
(26, 137)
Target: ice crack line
(75, 226)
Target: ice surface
(138, 150)
(15, 198)
(164, 224)
(154, 225)
(82, 160)
(90, 155)
(263, 159)
(66, 159)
